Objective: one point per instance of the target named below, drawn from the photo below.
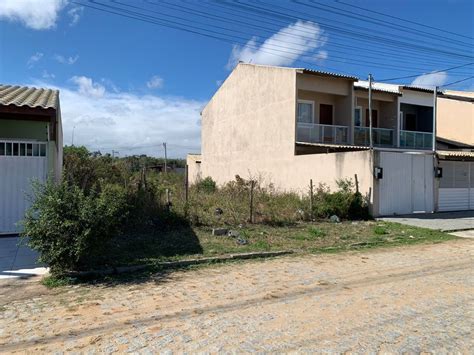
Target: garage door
(456, 186)
(407, 183)
(20, 164)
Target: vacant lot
(402, 299)
(302, 238)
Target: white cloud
(66, 60)
(35, 14)
(87, 87)
(34, 59)
(282, 48)
(155, 82)
(47, 75)
(430, 80)
(130, 123)
(321, 55)
(75, 14)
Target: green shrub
(206, 185)
(344, 203)
(69, 228)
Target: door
(325, 114)
(407, 184)
(20, 164)
(375, 118)
(456, 186)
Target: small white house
(31, 148)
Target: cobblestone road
(413, 299)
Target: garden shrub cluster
(102, 197)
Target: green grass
(302, 238)
(195, 242)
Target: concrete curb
(456, 230)
(179, 263)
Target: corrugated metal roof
(335, 146)
(326, 73)
(455, 153)
(418, 88)
(389, 88)
(28, 96)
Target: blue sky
(130, 85)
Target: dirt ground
(411, 299)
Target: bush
(344, 203)
(206, 185)
(69, 228)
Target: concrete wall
(249, 126)
(455, 120)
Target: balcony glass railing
(320, 133)
(382, 137)
(416, 140)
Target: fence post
(168, 200)
(356, 183)
(311, 199)
(252, 185)
(186, 190)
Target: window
(305, 111)
(358, 117)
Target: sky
(128, 81)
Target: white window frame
(310, 102)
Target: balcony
(320, 133)
(382, 137)
(416, 140)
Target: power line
(283, 48)
(159, 21)
(220, 18)
(345, 32)
(402, 19)
(374, 20)
(457, 81)
(433, 72)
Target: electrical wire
(401, 19)
(457, 81)
(433, 72)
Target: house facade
(455, 151)
(31, 147)
(290, 125)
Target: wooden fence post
(186, 190)
(252, 185)
(311, 215)
(168, 200)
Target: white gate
(407, 185)
(20, 164)
(456, 186)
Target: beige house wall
(249, 126)
(455, 120)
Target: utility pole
(370, 112)
(166, 158)
(435, 109)
(72, 141)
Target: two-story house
(290, 125)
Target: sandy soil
(412, 299)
